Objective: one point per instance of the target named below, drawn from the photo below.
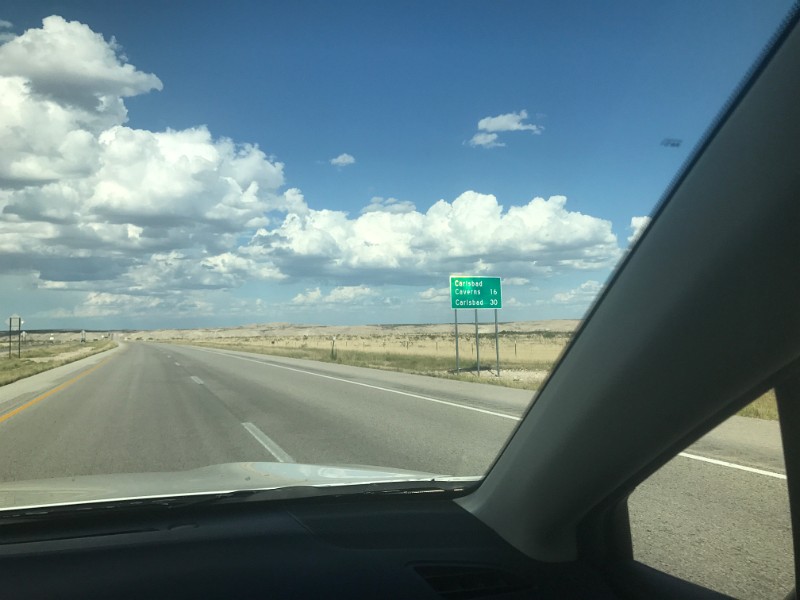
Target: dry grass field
(39, 357)
(765, 407)
(528, 350)
(524, 359)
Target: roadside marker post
(19, 321)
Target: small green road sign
(475, 292)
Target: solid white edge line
(712, 461)
(263, 439)
(367, 385)
(723, 463)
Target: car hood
(215, 479)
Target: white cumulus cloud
(132, 220)
(509, 122)
(583, 295)
(488, 128)
(308, 297)
(515, 281)
(68, 63)
(435, 295)
(6, 36)
(390, 205)
(342, 160)
(485, 140)
(473, 233)
(84, 198)
(342, 295)
(638, 225)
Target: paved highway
(168, 408)
(149, 407)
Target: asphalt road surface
(718, 514)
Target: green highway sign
(475, 292)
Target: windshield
(320, 244)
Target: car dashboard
(396, 547)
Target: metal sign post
(19, 321)
(477, 345)
(496, 343)
(458, 368)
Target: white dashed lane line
(263, 439)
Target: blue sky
(186, 174)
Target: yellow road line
(64, 385)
